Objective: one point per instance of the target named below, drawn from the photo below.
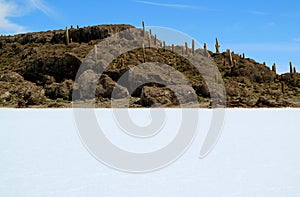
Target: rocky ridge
(39, 69)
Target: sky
(267, 31)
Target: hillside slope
(38, 70)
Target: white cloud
(14, 8)
(297, 39)
(170, 5)
(9, 9)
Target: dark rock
(62, 68)
(106, 87)
(60, 90)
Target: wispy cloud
(13, 8)
(297, 39)
(270, 24)
(42, 6)
(170, 5)
(255, 12)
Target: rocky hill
(39, 69)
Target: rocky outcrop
(60, 68)
(153, 96)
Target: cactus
(182, 50)
(78, 27)
(95, 53)
(67, 35)
(230, 57)
(150, 32)
(155, 40)
(291, 67)
(144, 53)
(274, 68)
(295, 71)
(243, 55)
(71, 26)
(282, 87)
(143, 24)
(173, 48)
(193, 46)
(186, 48)
(217, 46)
(164, 45)
(149, 41)
(205, 49)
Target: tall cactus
(282, 87)
(149, 41)
(186, 48)
(291, 67)
(230, 57)
(143, 24)
(205, 49)
(193, 46)
(274, 68)
(217, 46)
(67, 35)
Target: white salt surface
(258, 154)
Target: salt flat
(258, 154)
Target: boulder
(87, 84)
(30, 93)
(60, 90)
(153, 96)
(106, 86)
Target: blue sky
(265, 30)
